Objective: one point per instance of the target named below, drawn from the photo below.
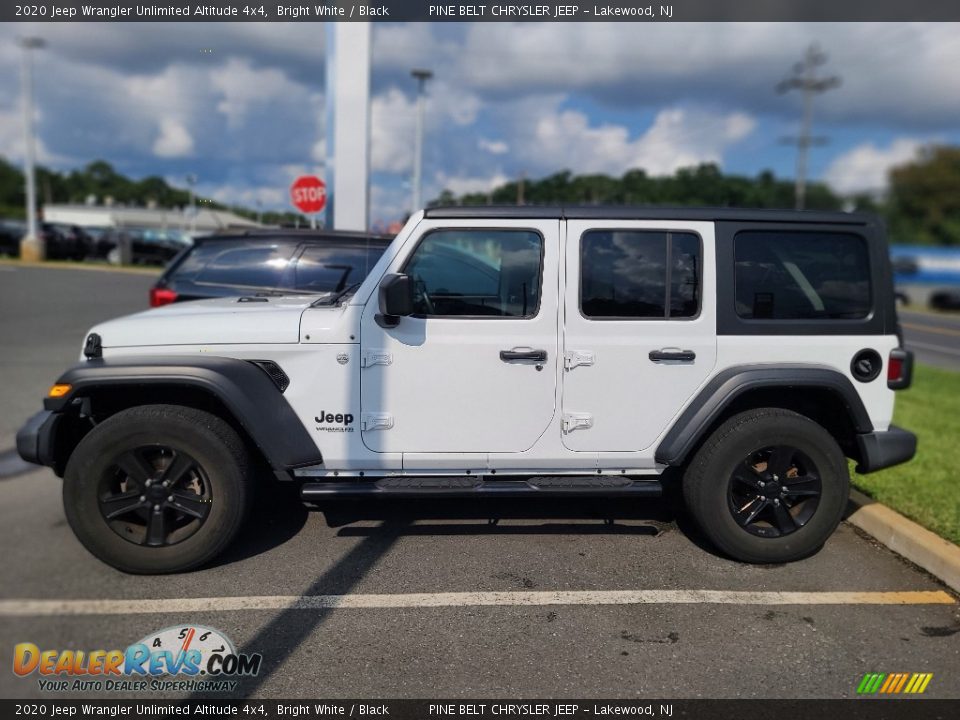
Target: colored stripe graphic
(894, 683)
(901, 683)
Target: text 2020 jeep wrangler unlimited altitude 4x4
(514, 351)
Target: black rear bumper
(880, 450)
(35, 440)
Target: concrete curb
(68, 265)
(918, 545)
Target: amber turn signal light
(59, 390)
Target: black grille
(275, 372)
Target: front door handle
(535, 355)
(670, 354)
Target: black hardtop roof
(298, 235)
(640, 212)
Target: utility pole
(422, 76)
(32, 245)
(805, 78)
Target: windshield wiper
(337, 296)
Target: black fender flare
(245, 389)
(727, 385)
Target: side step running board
(465, 486)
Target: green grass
(926, 489)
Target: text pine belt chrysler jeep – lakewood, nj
(523, 351)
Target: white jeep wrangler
(510, 351)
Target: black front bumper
(880, 450)
(35, 440)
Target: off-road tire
(706, 483)
(210, 441)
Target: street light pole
(422, 76)
(31, 246)
(191, 181)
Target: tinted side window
(477, 273)
(262, 266)
(639, 274)
(684, 275)
(323, 268)
(801, 275)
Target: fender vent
(276, 374)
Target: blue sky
(241, 105)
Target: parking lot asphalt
(558, 599)
(934, 338)
(44, 316)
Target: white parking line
(19, 608)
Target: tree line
(100, 181)
(921, 206)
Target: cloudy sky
(242, 104)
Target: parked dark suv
(268, 262)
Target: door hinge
(576, 358)
(577, 421)
(376, 357)
(376, 421)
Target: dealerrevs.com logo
(186, 658)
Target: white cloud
(460, 185)
(243, 87)
(899, 73)
(393, 117)
(388, 203)
(392, 123)
(11, 135)
(318, 153)
(865, 168)
(269, 197)
(494, 147)
(678, 137)
(174, 139)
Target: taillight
(899, 369)
(894, 369)
(162, 296)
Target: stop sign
(308, 193)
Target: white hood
(210, 322)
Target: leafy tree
(924, 200)
(700, 185)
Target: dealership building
(200, 222)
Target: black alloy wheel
(774, 491)
(155, 495)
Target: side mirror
(396, 299)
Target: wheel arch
(822, 394)
(238, 391)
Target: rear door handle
(668, 354)
(535, 355)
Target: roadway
(472, 607)
(933, 337)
